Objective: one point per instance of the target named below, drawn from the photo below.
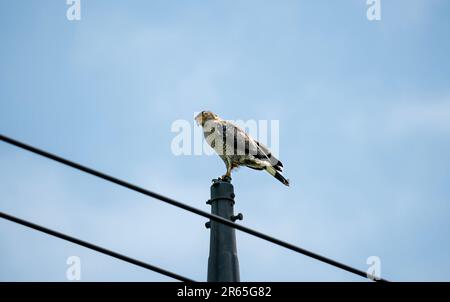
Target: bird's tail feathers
(272, 171)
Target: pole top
(222, 189)
(222, 179)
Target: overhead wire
(94, 247)
(187, 207)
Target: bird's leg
(227, 176)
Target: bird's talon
(225, 178)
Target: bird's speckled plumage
(237, 148)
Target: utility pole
(223, 265)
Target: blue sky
(364, 111)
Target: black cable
(186, 207)
(94, 247)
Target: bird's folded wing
(273, 160)
(242, 144)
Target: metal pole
(223, 265)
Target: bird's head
(205, 116)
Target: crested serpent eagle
(237, 148)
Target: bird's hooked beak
(199, 119)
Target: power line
(94, 247)
(186, 207)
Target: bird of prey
(237, 148)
